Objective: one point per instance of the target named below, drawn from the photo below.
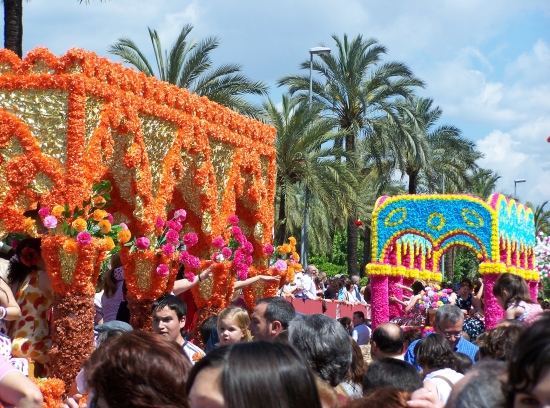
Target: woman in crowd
(30, 284)
(513, 296)
(466, 298)
(436, 357)
(113, 281)
(257, 374)
(353, 382)
(529, 371)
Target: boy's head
(169, 317)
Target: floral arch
(69, 122)
(410, 233)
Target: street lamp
(305, 226)
(516, 183)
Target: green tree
(188, 65)
(306, 159)
(357, 90)
(483, 182)
(540, 217)
(13, 25)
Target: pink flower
(181, 214)
(184, 257)
(110, 218)
(217, 257)
(160, 223)
(84, 238)
(167, 249)
(434, 305)
(280, 265)
(172, 237)
(233, 220)
(50, 221)
(236, 230)
(248, 248)
(123, 226)
(242, 275)
(190, 239)
(175, 225)
(44, 211)
(142, 243)
(241, 239)
(227, 252)
(190, 276)
(194, 262)
(268, 249)
(218, 242)
(162, 270)
(421, 307)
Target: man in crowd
(448, 323)
(387, 341)
(169, 321)
(309, 291)
(270, 317)
(361, 332)
(355, 279)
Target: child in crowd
(233, 326)
(512, 294)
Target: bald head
(387, 340)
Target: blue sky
(485, 63)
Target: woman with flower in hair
(30, 334)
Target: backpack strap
(444, 379)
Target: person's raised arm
(250, 281)
(181, 285)
(8, 302)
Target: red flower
(358, 222)
(29, 256)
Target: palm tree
(358, 90)
(306, 160)
(445, 153)
(188, 65)
(541, 217)
(13, 25)
(483, 182)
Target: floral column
(491, 272)
(380, 295)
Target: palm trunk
(352, 248)
(412, 182)
(13, 26)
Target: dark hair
(515, 287)
(466, 282)
(417, 287)
(531, 360)
(206, 327)
(172, 302)
(387, 397)
(17, 270)
(463, 362)
(325, 345)
(500, 341)
(345, 321)
(391, 372)
(147, 370)
(434, 351)
(109, 280)
(359, 314)
(386, 340)
(484, 390)
(357, 368)
(278, 309)
(411, 335)
(266, 374)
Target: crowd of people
(275, 357)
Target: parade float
(411, 233)
(70, 122)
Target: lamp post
(305, 226)
(516, 183)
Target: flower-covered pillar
(491, 272)
(379, 274)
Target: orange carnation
(124, 236)
(285, 249)
(292, 240)
(295, 256)
(57, 210)
(80, 224)
(28, 224)
(70, 246)
(109, 243)
(105, 226)
(99, 215)
(99, 202)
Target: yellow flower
(99, 215)
(70, 246)
(124, 236)
(109, 243)
(285, 249)
(57, 210)
(298, 267)
(80, 224)
(292, 240)
(99, 202)
(105, 226)
(295, 256)
(28, 224)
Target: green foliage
(364, 281)
(466, 265)
(323, 264)
(339, 249)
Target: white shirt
(193, 352)
(309, 290)
(361, 334)
(443, 388)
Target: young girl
(513, 296)
(233, 326)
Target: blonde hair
(239, 317)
